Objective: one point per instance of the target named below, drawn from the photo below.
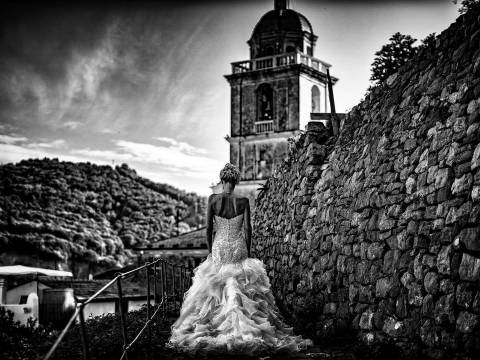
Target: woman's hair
(230, 173)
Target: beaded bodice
(229, 244)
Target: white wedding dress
(230, 306)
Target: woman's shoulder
(214, 197)
(242, 199)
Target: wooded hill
(64, 211)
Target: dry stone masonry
(377, 231)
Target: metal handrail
(163, 304)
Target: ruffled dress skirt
(230, 309)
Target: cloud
(174, 159)
(182, 146)
(72, 125)
(12, 139)
(107, 131)
(55, 144)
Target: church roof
(26, 270)
(287, 20)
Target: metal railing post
(122, 316)
(148, 301)
(155, 299)
(164, 300)
(182, 282)
(174, 289)
(83, 333)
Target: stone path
(314, 353)
(157, 352)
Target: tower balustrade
(279, 60)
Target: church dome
(282, 30)
(286, 20)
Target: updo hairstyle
(230, 174)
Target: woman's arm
(248, 227)
(210, 223)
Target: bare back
(228, 206)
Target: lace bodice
(229, 242)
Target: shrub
(103, 333)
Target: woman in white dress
(230, 306)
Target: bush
(103, 333)
(19, 341)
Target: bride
(230, 306)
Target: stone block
(443, 178)
(469, 268)
(444, 310)
(446, 286)
(366, 320)
(470, 238)
(423, 162)
(393, 327)
(475, 162)
(375, 251)
(431, 283)
(428, 334)
(330, 308)
(401, 308)
(428, 306)
(476, 193)
(415, 295)
(467, 322)
(383, 286)
(462, 185)
(443, 260)
(407, 279)
(410, 185)
(464, 296)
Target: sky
(142, 82)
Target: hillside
(80, 213)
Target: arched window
(264, 102)
(315, 99)
(290, 48)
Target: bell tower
(274, 94)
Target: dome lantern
(281, 4)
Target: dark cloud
(63, 60)
(43, 38)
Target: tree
(429, 41)
(391, 56)
(466, 5)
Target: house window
(23, 299)
(315, 99)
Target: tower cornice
(293, 69)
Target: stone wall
(378, 231)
